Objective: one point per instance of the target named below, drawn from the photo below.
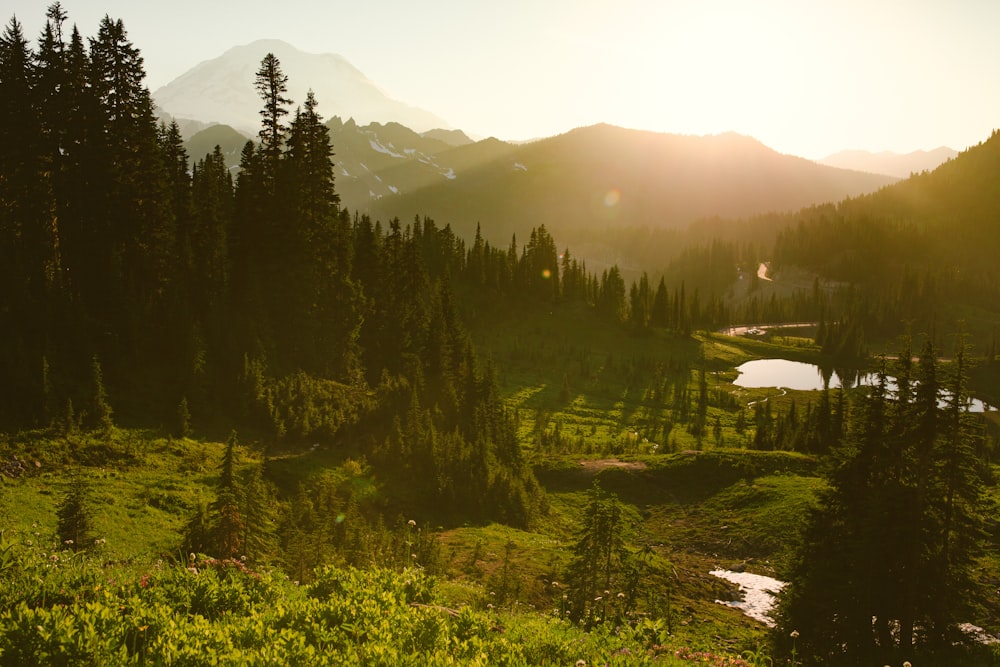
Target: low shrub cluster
(65, 607)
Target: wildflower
(191, 556)
(795, 634)
(68, 542)
(621, 596)
(411, 523)
(581, 663)
(906, 663)
(489, 606)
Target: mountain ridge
(602, 175)
(887, 162)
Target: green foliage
(68, 612)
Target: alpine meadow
(338, 391)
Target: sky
(805, 77)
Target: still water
(804, 377)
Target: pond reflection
(801, 376)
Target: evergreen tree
(227, 527)
(319, 297)
(600, 557)
(271, 85)
(75, 516)
(142, 228)
(100, 413)
(29, 259)
(258, 518)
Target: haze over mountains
(402, 163)
(892, 164)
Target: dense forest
(144, 290)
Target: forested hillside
(921, 251)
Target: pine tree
(599, 558)
(142, 229)
(258, 517)
(29, 257)
(271, 85)
(226, 521)
(75, 515)
(317, 296)
(100, 413)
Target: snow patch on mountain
(377, 146)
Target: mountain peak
(221, 90)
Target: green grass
(141, 488)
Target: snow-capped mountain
(222, 90)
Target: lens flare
(612, 197)
(546, 274)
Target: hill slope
(604, 177)
(225, 137)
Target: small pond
(798, 375)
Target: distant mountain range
(600, 177)
(592, 178)
(394, 160)
(222, 90)
(892, 164)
